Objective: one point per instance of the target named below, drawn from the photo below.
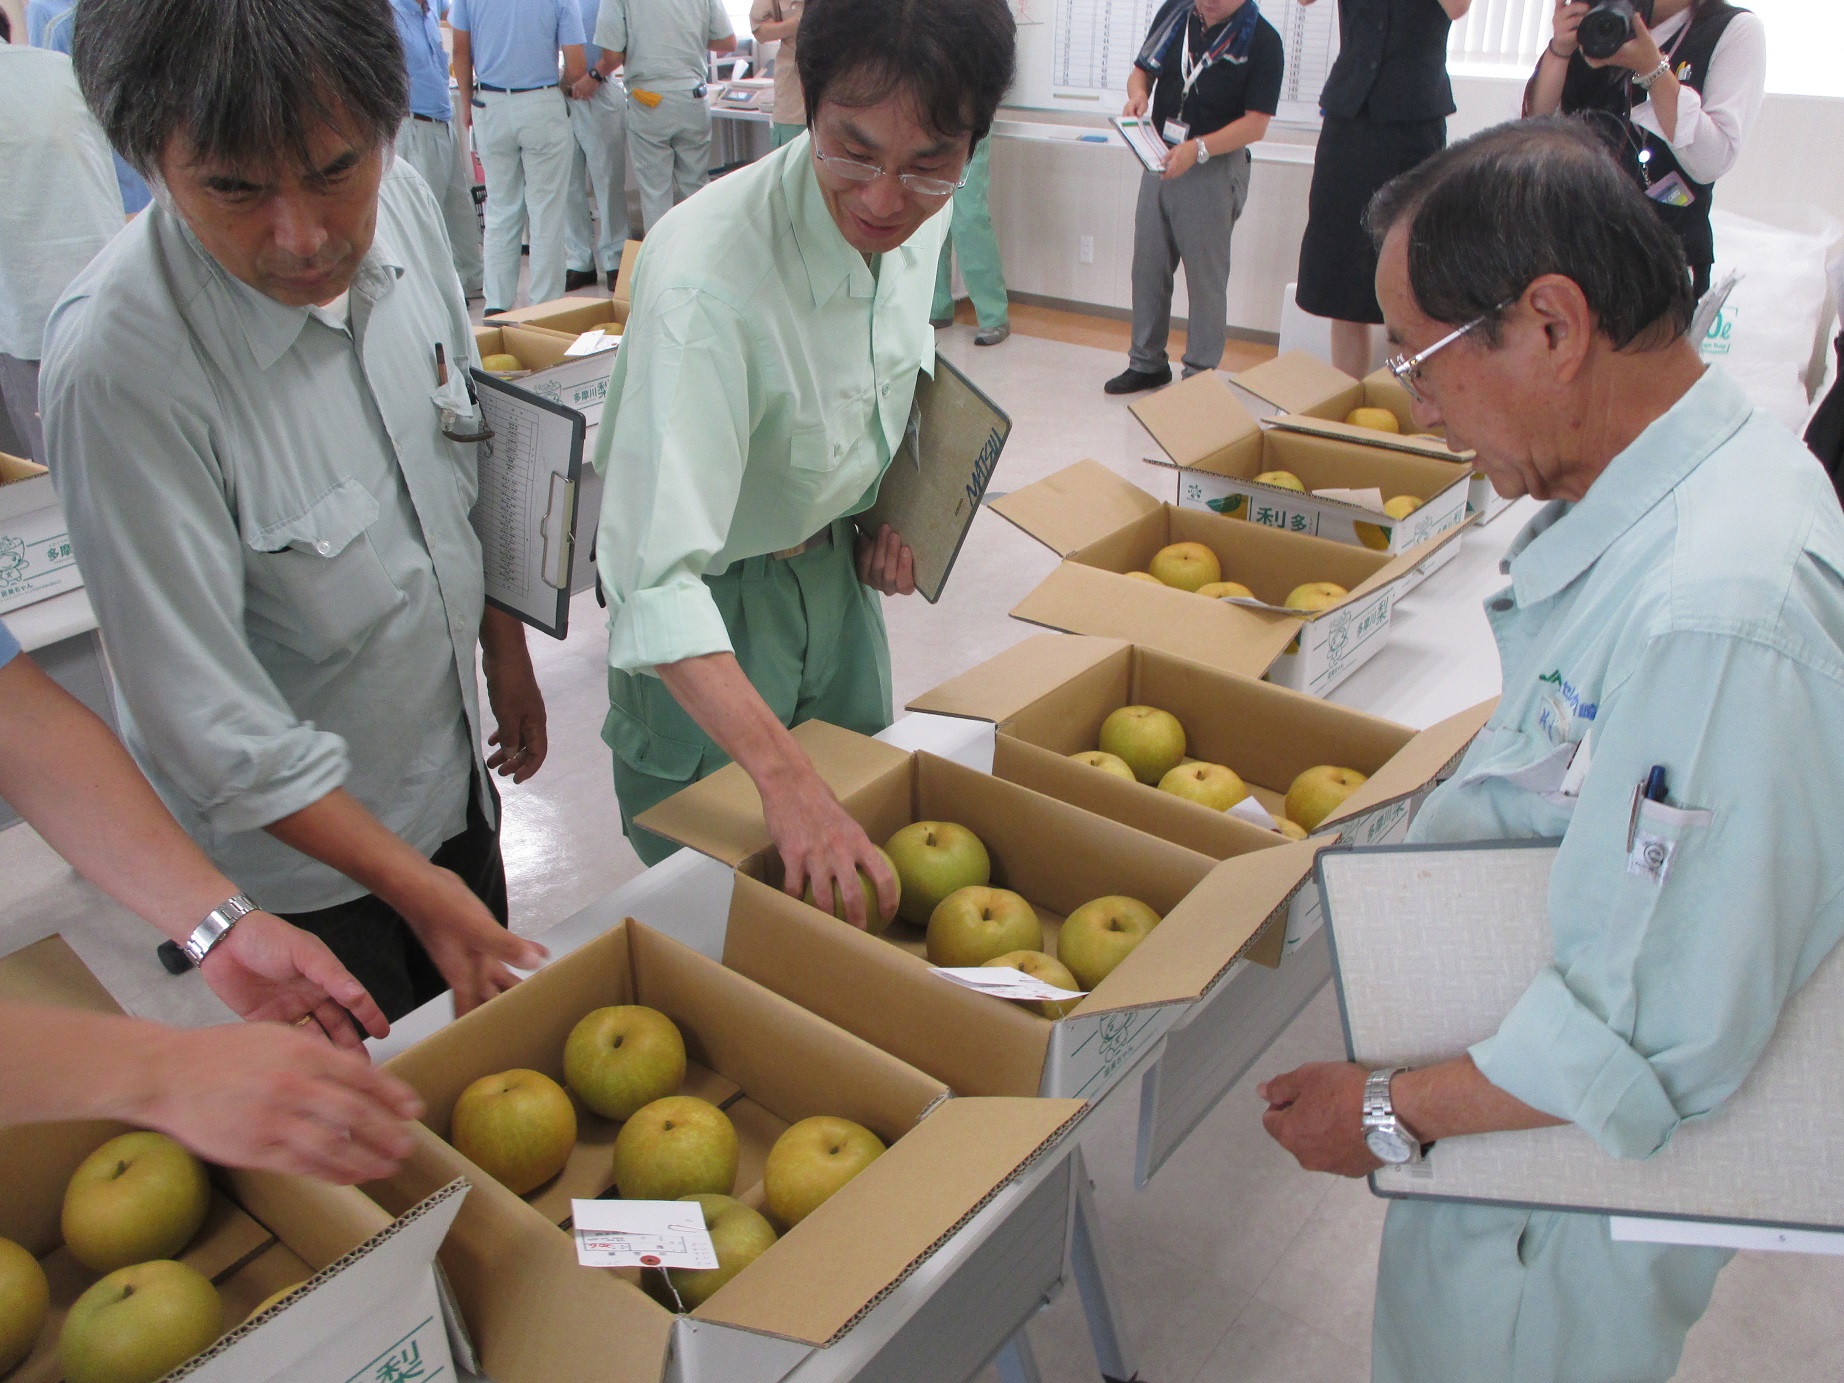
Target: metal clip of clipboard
(559, 541)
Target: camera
(1608, 26)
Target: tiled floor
(1238, 1268)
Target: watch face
(1389, 1144)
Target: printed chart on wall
(525, 515)
(1310, 35)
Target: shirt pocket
(1523, 775)
(316, 584)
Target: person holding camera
(1673, 87)
(1386, 103)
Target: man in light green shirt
(779, 321)
(1677, 609)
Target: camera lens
(1606, 29)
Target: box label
(1087, 1055)
(418, 1357)
(36, 558)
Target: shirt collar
(830, 261)
(1565, 540)
(269, 328)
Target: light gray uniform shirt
(667, 42)
(274, 533)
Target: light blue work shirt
(1687, 612)
(590, 9)
(48, 25)
(275, 535)
(667, 42)
(419, 29)
(516, 42)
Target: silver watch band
(1645, 80)
(1377, 1104)
(216, 927)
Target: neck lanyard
(1191, 69)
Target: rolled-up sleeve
(673, 461)
(162, 561)
(1662, 996)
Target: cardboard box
(1104, 526)
(575, 313)
(1298, 383)
(1055, 854)
(540, 1317)
(1219, 448)
(36, 560)
(366, 1299)
(579, 382)
(1048, 696)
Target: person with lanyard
(666, 47)
(506, 55)
(1671, 643)
(778, 21)
(426, 138)
(290, 1089)
(48, 25)
(1209, 79)
(1675, 103)
(262, 436)
(1385, 103)
(780, 322)
(598, 121)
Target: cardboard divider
(538, 1315)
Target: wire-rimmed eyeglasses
(853, 171)
(1407, 368)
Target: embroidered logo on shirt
(1562, 707)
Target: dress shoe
(574, 279)
(1132, 381)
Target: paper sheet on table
(525, 515)
(1371, 498)
(1250, 810)
(641, 1234)
(1003, 982)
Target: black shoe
(940, 322)
(613, 274)
(574, 279)
(1132, 381)
(496, 311)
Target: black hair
(6, 28)
(1493, 213)
(245, 82)
(954, 57)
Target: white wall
(1047, 195)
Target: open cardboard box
(575, 313)
(36, 560)
(1304, 385)
(1219, 448)
(575, 381)
(538, 1316)
(364, 1294)
(1104, 526)
(1055, 854)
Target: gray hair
(1493, 213)
(245, 82)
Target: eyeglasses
(853, 171)
(1407, 369)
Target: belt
(683, 86)
(819, 539)
(427, 119)
(513, 90)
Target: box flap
(1418, 763)
(1406, 563)
(1296, 382)
(50, 972)
(1194, 420)
(721, 816)
(321, 1223)
(624, 276)
(1431, 447)
(1217, 633)
(872, 1234)
(1001, 687)
(1210, 930)
(1075, 506)
(16, 468)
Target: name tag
(1176, 132)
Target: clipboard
(1148, 144)
(1431, 947)
(934, 484)
(525, 516)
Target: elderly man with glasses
(779, 321)
(1672, 641)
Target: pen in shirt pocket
(1651, 788)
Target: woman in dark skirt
(1386, 105)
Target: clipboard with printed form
(525, 515)
(932, 489)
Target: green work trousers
(779, 134)
(810, 638)
(971, 237)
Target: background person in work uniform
(1675, 105)
(599, 122)
(778, 21)
(780, 319)
(971, 237)
(1209, 75)
(506, 55)
(426, 138)
(666, 47)
(1386, 104)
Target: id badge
(1176, 132)
(1671, 190)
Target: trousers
(600, 128)
(670, 148)
(525, 150)
(971, 237)
(430, 147)
(1188, 220)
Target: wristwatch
(216, 927)
(1385, 1134)
(1645, 79)
(1203, 151)
(597, 74)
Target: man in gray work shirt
(241, 400)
